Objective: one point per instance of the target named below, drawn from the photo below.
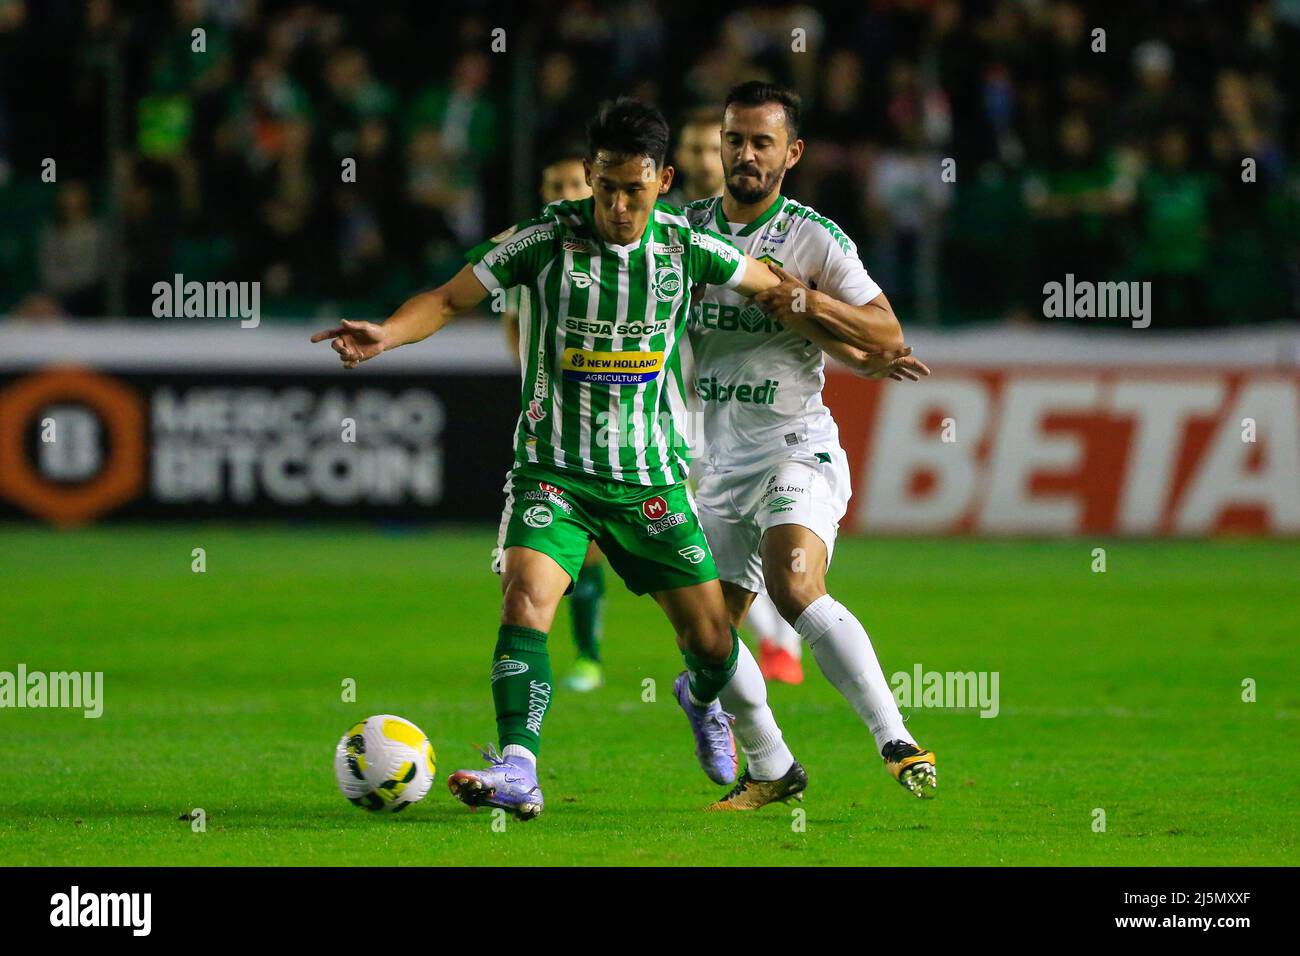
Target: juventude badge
(668, 282)
(538, 516)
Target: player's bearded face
(749, 182)
(756, 150)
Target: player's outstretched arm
(417, 319)
(898, 364)
(872, 327)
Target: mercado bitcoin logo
(71, 444)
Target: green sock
(584, 606)
(521, 685)
(707, 680)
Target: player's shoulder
(573, 213)
(810, 224)
(557, 220)
(699, 212)
(669, 214)
(682, 226)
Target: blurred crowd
(973, 150)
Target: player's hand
(901, 366)
(790, 302)
(356, 342)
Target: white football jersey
(760, 385)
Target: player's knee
(523, 605)
(792, 594)
(709, 640)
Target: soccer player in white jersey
(772, 481)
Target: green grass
(222, 691)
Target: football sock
(585, 606)
(845, 655)
(519, 752)
(769, 625)
(756, 731)
(521, 687)
(707, 679)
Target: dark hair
(760, 93)
(565, 152)
(628, 127)
(701, 116)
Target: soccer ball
(384, 763)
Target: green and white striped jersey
(601, 348)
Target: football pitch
(1120, 698)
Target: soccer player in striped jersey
(599, 447)
(772, 482)
(564, 178)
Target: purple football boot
(508, 782)
(715, 746)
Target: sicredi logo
(711, 390)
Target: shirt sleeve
(836, 270)
(515, 256)
(714, 261)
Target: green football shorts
(650, 534)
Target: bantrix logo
(75, 690)
(1098, 300)
(953, 690)
(711, 390)
(208, 300)
(103, 909)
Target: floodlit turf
(1120, 691)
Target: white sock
(519, 750)
(769, 625)
(757, 734)
(844, 653)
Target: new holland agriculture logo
(610, 368)
(88, 456)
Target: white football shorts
(808, 488)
